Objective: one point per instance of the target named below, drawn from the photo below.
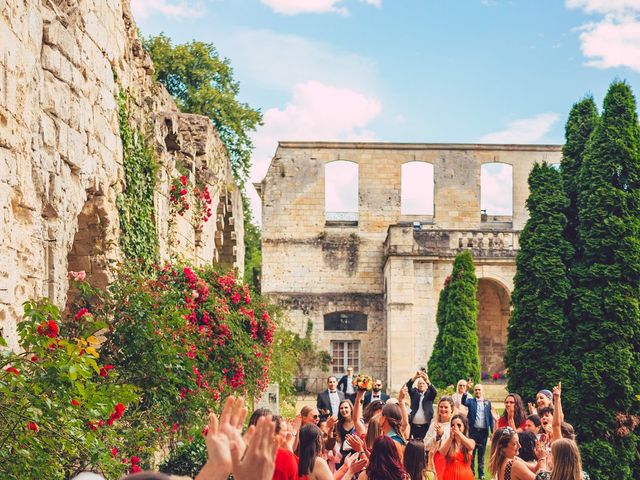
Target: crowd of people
(353, 434)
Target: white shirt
(335, 401)
(479, 423)
(419, 418)
(349, 390)
(430, 437)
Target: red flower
(33, 426)
(49, 328)
(235, 298)
(13, 370)
(135, 469)
(134, 460)
(81, 313)
(34, 358)
(75, 402)
(78, 276)
(183, 180)
(114, 451)
(174, 428)
(104, 371)
(183, 191)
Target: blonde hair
(567, 464)
(373, 431)
(500, 440)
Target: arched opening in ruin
(493, 318)
(416, 191)
(90, 249)
(341, 191)
(496, 191)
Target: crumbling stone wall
(384, 254)
(62, 64)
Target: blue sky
(488, 71)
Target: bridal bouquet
(363, 382)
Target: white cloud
(526, 130)
(604, 6)
(613, 41)
(144, 8)
(496, 189)
(281, 61)
(296, 7)
(316, 111)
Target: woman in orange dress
(457, 451)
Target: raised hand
(532, 409)
(557, 391)
(404, 393)
(355, 442)
(259, 461)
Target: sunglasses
(315, 416)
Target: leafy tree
(437, 361)
(459, 356)
(536, 346)
(582, 120)
(607, 279)
(201, 82)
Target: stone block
(48, 131)
(57, 35)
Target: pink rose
(79, 276)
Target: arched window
(496, 189)
(341, 191)
(416, 191)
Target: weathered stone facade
(62, 65)
(386, 265)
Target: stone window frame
(426, 217)
(342, 219)
(346, 321)
(342, 356)
(486, 217)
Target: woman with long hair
(415, 461)
(438, 432)
(345, 426)
(504, 463)
(567, 464)
(311, 465)
(384, 463)
(514, 414)
(456, 450)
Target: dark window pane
(343, 321)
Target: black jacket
(427, 401)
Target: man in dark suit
(329, 400)
(480, 424)
(345, 385)
(422, 396)
(376, 394)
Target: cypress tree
(582, 120)
(459, 357)
(437, 361)
(607, 279)
(536, 352)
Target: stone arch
(93, 243)
(494, 302)
(341, 201)
(417, 188)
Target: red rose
(114, 451)
(49, 328)
(104, 371)
(183, 191)
(81, 313)
(33, 426)
(135, 469)
(134, 460)
(13, 370)
(183, 180)
(75, 402)
(34, 358)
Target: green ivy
(138, 236)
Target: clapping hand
(355, 442)
(259, 460)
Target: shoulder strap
(507, 470)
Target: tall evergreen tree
(582, 120)
(459, 356)
(437, 361)
(607, 279)
(536, 345)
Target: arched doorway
(493, 318)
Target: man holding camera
(422, 394)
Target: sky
(460, 71)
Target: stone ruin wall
(382, 266)
(62, 64)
